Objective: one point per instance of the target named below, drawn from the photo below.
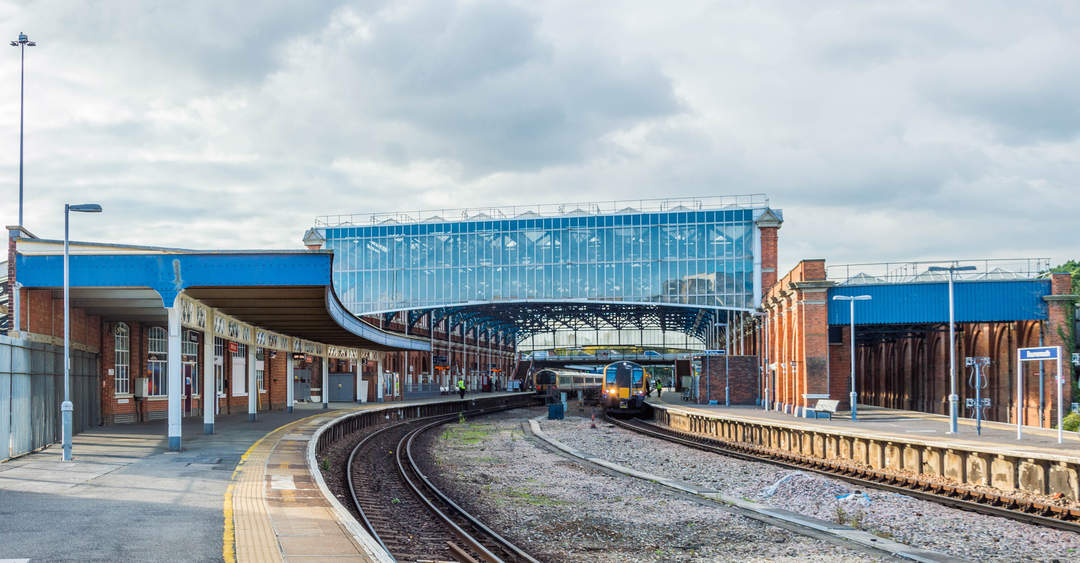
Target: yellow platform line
(244, 509)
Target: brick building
(901, 337)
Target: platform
(912, 425)
(127, 497)
(900, 443)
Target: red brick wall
(742, 380)
(769, 257)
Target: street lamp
(65, 407)
(851, 299)
(954, 399)
(22, 43)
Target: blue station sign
(1040, 353)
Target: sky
(884, 130)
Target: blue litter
(858, 496)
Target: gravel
(560, 510)
(915, 522)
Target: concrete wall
(999, 468)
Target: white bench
(824, 408)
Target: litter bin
(555, 411)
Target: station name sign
(1041, 353)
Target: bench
(824, 408)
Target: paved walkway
(126, 497)
(912, 425)
(279, 512)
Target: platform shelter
(163, 329)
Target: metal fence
(418, 390)
(32, 388)
(910, 272)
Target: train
(553, 381)
(626, 384)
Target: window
(190, 357)
(122, 359)
(260, 368)
(219, 364)
(239, 371)
(157, 361)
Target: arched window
(122, 359)
(157, 361)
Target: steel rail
(404, 448)
(502, 542)
(352, 487)
(911, 486)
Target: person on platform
(659, 388)
(461, 387)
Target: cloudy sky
(884, 130)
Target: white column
(253, 385)
(174, 377)
(325, 381)
(356, 379)
(379, 381)
(209, 387)
(290, 384)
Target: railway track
(396, 502)
(955, 496)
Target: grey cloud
(885, 131)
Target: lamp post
(851, 299)
(22, 43)
(954, 399)
(66, 407)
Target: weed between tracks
(467, 433)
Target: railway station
(321, 359)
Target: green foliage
(325, 464)
(1073, 267)
(1071, 422)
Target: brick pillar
(840, 370)
(1058, 333)
(812, 295)
(768, 223)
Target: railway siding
(1047, 479)
(859, 537)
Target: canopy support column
(252, 384)
(290, 384)
(325, 361)
(175, 379)
(209, 388)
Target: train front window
(610, 374)
(638, 375)
(546, 378)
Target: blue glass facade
(693, 257)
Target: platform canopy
(530, 317)
(288, 291)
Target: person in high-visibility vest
(461, 387)
(659, 388)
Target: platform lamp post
(66, 407)
(954, 399)
(851, 299)
(22, 43)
